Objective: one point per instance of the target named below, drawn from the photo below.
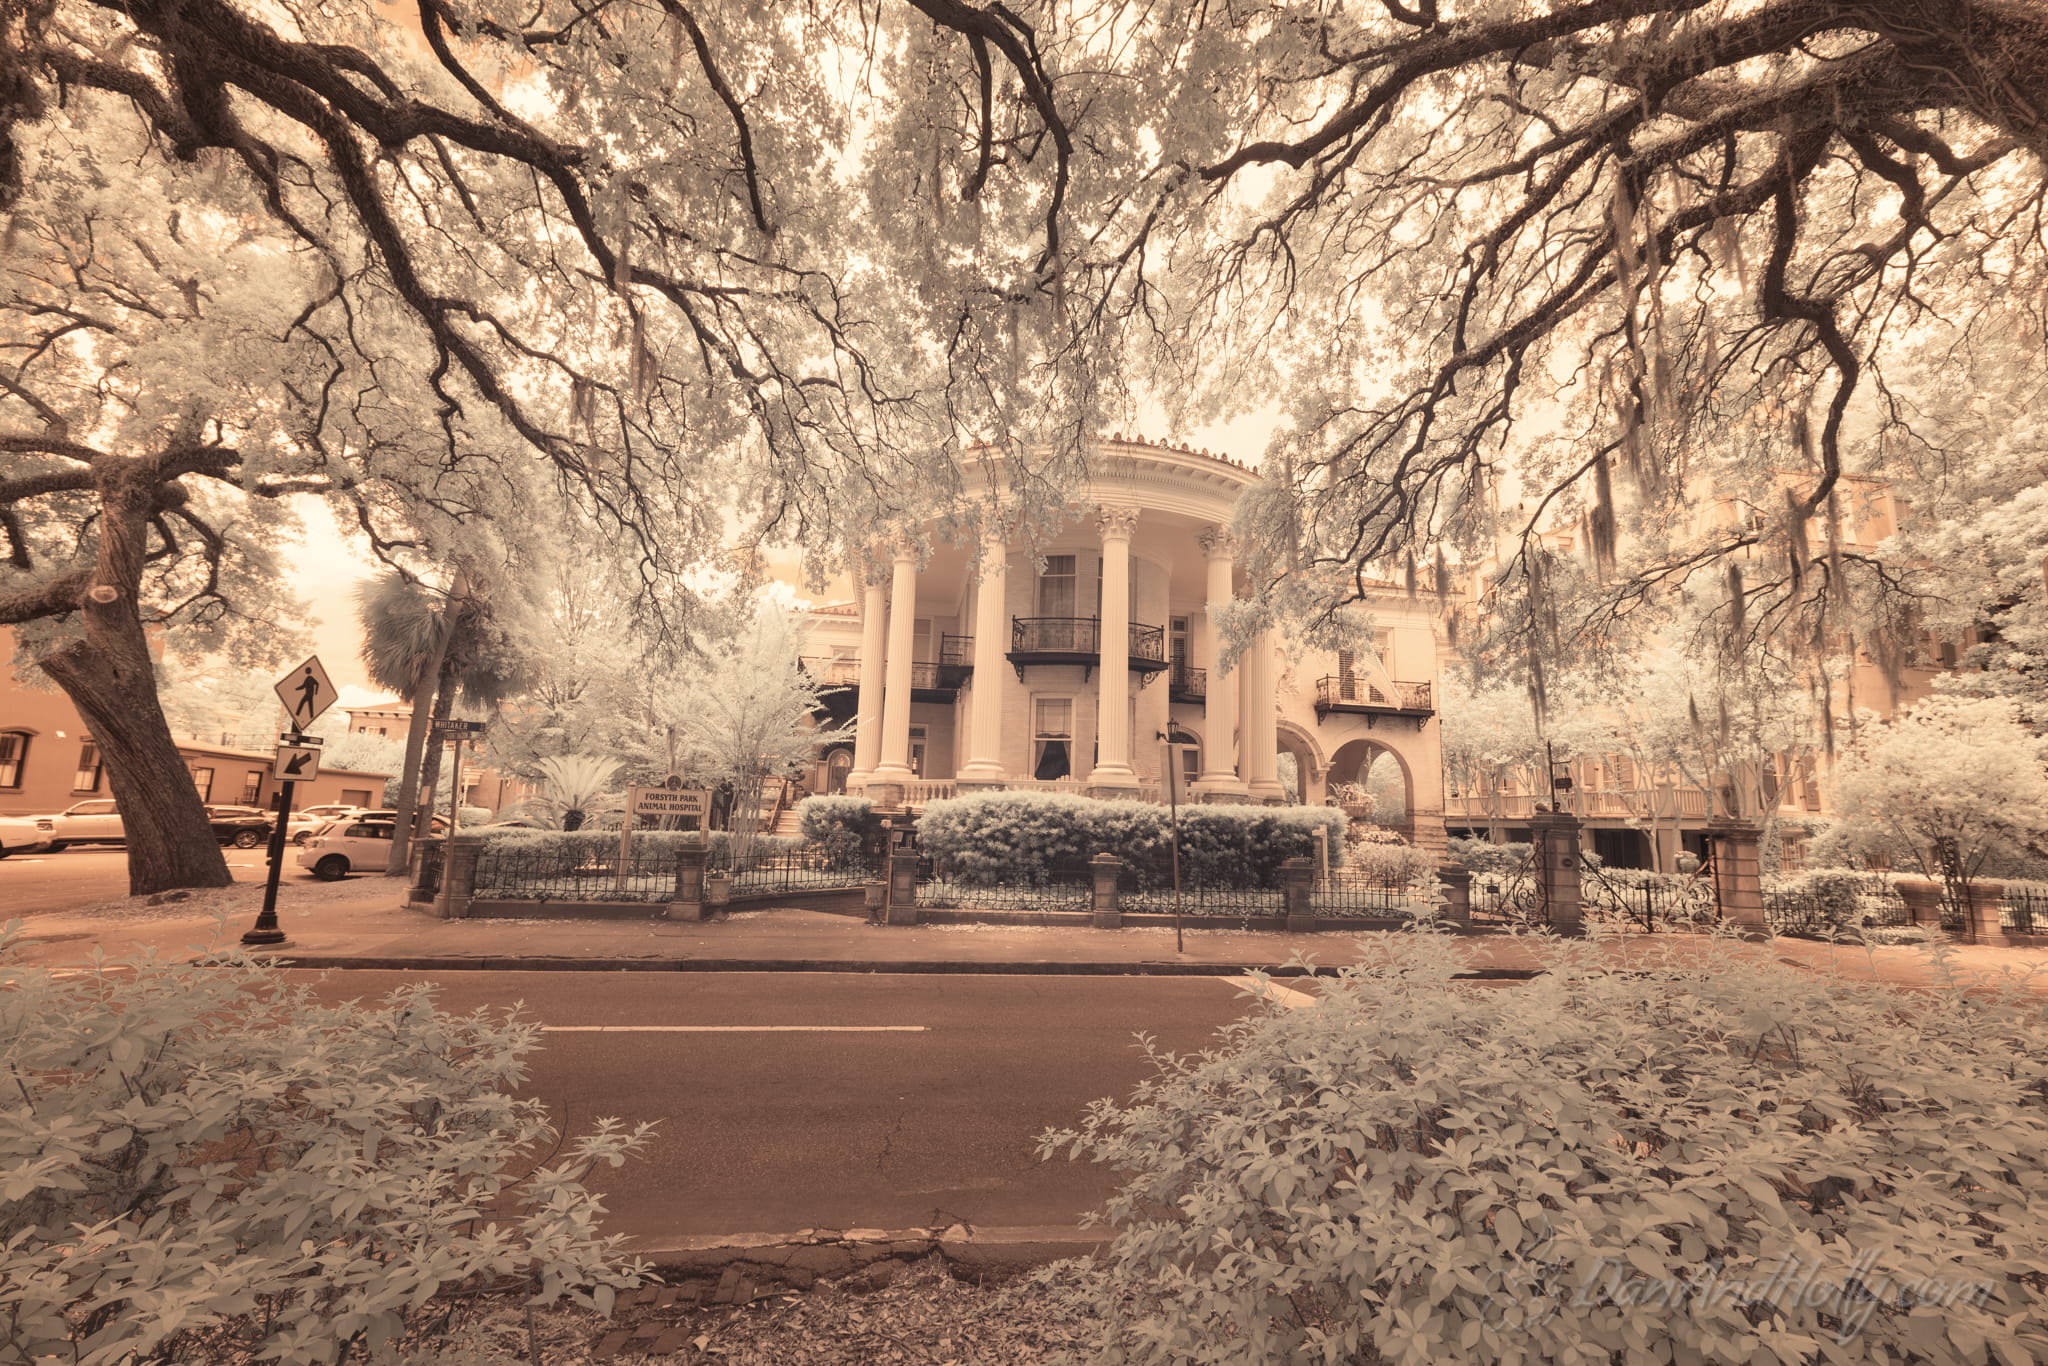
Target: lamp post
(1174, 741)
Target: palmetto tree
(428, 645)
(573, 786)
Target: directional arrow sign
(306, 692)
(295, 763)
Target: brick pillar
(458, 877)
(1296, 876)
(1556, 837)
(427, 858)
(901, 908)
(1738, 882)
(1985, 912)
(1102, 871)
(1457, 887)
(1923, 901)
(688, 903)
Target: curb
(397, 963)
(802, 1258)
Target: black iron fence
(506, 871)
(1067, 885)
(1640, 900)
(807, 870)
(1354, 894)
(2026, 908)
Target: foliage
(816, 816)
(573, 786)
(656, 851)
(1479, 856)
(994, 838)
(1951, 781)
(1398, 864)
(363, 752)
(1827, 902)
(210, 1160)
(1629, 1161)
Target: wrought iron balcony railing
(1078, 640)
(1188, 685)
(1350, 693)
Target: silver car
(26, 834)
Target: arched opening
(838, 763)
(1299, 764)
(1370, 774)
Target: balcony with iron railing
(1349, 694)
(1186, 684)
(1078, 640)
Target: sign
(295, 763)
(670, 799)
(306, 692)
(290, 739)
(452, 728)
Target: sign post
(457, 732)
(670, 798)
(306, 692)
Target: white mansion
(1061, 664)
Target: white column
(1258, 758)
(991, 629)
(867, 717)
(895, 765)
(1219, 707)
(1113, 700)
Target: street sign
(306, 692)
(668, 801)
(290, 739)
(459, 728)
(295, 763)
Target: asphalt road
(37, 884)
(777, 1131)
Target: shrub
(1826, 901)
(1399, 864)
(1710, 1158)
(560, 851)
(210, 1163)
(1021, 837)
(816, 816)
(1479, 856)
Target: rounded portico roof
(1152, 475)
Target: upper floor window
(202, 779)
(13, 758)
(1056, 587)
(87, 779)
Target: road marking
(734, 1029)
(1286, 996)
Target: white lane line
(734, 1029)
(1286, 996)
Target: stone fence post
(1984, 915)
(458, 877)
(901, 902)
(1923, 901)
(427, 858)
(1557, 869)
(1103, 870)
(688, 903)
(1457, 887)
(1296, 877)
(1738, 881)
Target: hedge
(1021, 838)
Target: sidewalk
(362, 923)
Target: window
(252, 786)
(87, 779)
(1177, 652)
(202, 778)
(1052, 736)
(13, 758)
(917, 740)
(370, 830)
(1056, 587)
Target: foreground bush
(209, 1164)
(1722, 1161)
(1019, 838)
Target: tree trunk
(109, 676)
(425, 691)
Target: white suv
(348, 845)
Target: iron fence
(806, 870)
(1067, 885)
(1509, 898)
(1640, 900)
(514, 874)
(1832, 904)
(1207, 900)
(1350, 894)
(2026, 908)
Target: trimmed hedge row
(1016, 838)
(656, 850)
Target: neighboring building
(482, 785)
(49, 761)
(1059, 662)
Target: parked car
(245, 827)
(25, 834)
(330, 811)
(302, 827)
(94, 822)
(343, 847)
